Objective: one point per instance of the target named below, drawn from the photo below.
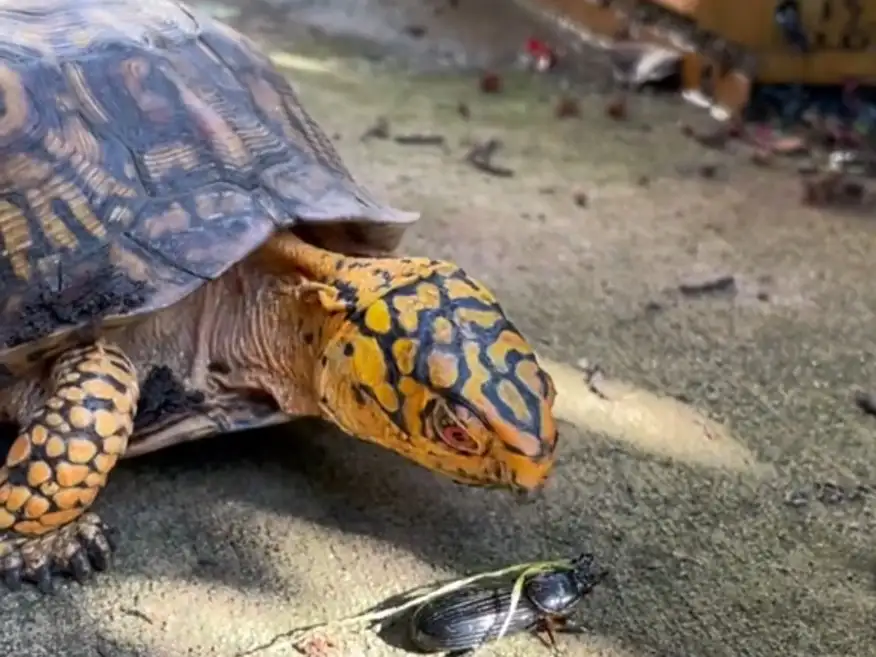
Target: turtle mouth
(474, 481)
(495, 474)
(505, 482)
(524, 496)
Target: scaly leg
(60, 462)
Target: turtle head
(421, 359)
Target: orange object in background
(727, 45)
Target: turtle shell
(144, 151)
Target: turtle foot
(76, 550)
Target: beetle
(463, 620)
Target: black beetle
(463, 620)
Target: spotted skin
(60, 462)
(145, 150)
(421, 358)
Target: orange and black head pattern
(426, 363)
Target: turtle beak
(524, 473)
(526, 476)
(526, 459)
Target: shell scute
(144, 151)
(206, 232)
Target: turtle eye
(452, 432)
(458, 438)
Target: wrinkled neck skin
(267, 338)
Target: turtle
(183, 253)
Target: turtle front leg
(59, 463)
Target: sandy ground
(720, 535)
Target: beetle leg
(551, 639)
(544, 626)
(549, 626)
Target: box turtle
(184, 254)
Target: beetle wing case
(468, 618)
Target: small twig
(866, 401)
(380, 130)
(420, 140)
(710, 286)
(481, 158)
(136, 613)
(594, 376)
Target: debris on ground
(415, 31)
(463, 110)
(833, 136)
(716, 285)
(538, 56)
(653, 307)
(866, 401)
(491, 83)
(835, 126)
(829, 493)
(380, 130)
(567, 107)
(616, 107)
(419, 140)
(820, 190)
(832, 188)
(647, 312)
(707, 171)
(481, 158)
(581, 199)
(317, 646)
(797, 499)
(595, 379)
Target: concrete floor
(228, 544)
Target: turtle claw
(42, 577)
(80, 568)
(77, 550)
(12, 578)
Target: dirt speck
(162, 394)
